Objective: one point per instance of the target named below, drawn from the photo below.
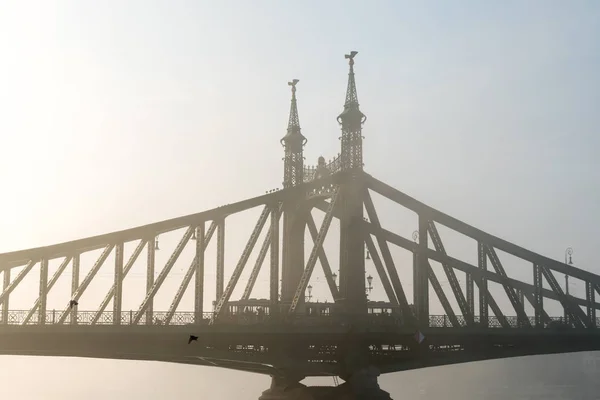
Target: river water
(567, 376)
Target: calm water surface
(568, 376)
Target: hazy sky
(115, 114)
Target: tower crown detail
(351, 118)
(293, 136)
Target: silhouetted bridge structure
(286, 335)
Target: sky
(117, 114)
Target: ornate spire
(293, 143)
(351, 120)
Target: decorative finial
(293, 85)
(351, 57)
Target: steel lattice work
(286, 334)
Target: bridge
(285, 334)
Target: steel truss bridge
(286, 335)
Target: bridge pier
(362, 385)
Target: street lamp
(369, 282)
(156, 243)
(309, 292)
(568, 261)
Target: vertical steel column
(274, 273)
(6, 279)
(471, 296)
(43, 291)
(118, 278)
(521, 296)
(352, 247)
(590, 297)
(220, 259)
(293, 263)
(199, 274)
(422, 288)
(74, 286)
(150, 279)
(483, 286)
(538, 298)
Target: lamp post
(309, 288)
(568, 261)
(415, 236)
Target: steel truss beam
(512, 296)
(5, 303)
(485, 298)
(421, 274)
(150, 272)
(450, 275)
(474, 233)
(53, 280)
(86, 281)
(464, 266)
(575, 313)
(22, 257)
(314, 233)
(262, 254)
(387, 256)
(74, 286)
(118, 282)
(111, 293)
(312, 259)
(8, 289)
(274, 267)
(590, 297)
(439, 291)
(237, 272)
(162, 275)
(202, 242)
(385, 280)
(220, 282)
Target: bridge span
(287, 335)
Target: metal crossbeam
(237, 272)
(383, 277)
(191, 270)
(312, 228)
(274, 267)
(7, 291)
(387, 255)
(512, 296)
(575, 313)
(439, 291)
(454, 284)
(5, 302)
(53, 280)
(86, 281)
(312, 259)
(163, 275)
(262, 254)
(111, 293)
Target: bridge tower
(352, 242)
(294, 222)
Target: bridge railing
(19, 317)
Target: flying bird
(73, 303)
(192, 339)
